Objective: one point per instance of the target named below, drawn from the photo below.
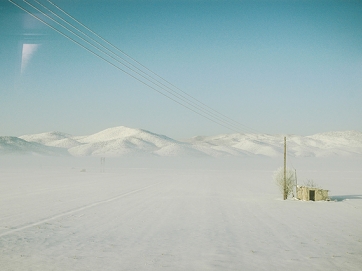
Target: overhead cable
(128, 56)
(158, 84)
(132, 68)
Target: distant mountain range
(124, 141)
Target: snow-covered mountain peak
(15, 145)
(122, 133)
(110, 134)
(54, 139)
(44, 138)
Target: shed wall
(303, 193)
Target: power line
(122, 52)
(99, 56)
(226, 125)
(139, 72)
(173, 93)
(193, 105)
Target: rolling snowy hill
(15, 145)
(324, 144)
(121, 141)
(53, 139)
(117, 141)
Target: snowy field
(176, 214)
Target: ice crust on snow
(125, 141)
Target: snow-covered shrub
(290, 180)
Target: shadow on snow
(345, 197)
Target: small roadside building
(311, 193)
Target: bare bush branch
(311, 183)
(290, 180)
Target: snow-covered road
(189, 217)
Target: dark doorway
(312, 195)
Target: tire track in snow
(77, 210)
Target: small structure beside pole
(307, 192)
(311, 193)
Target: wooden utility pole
(285, 169)
(296, 182)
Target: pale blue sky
(275, 66)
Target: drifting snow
(124, 141)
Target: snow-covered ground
(176, 214)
